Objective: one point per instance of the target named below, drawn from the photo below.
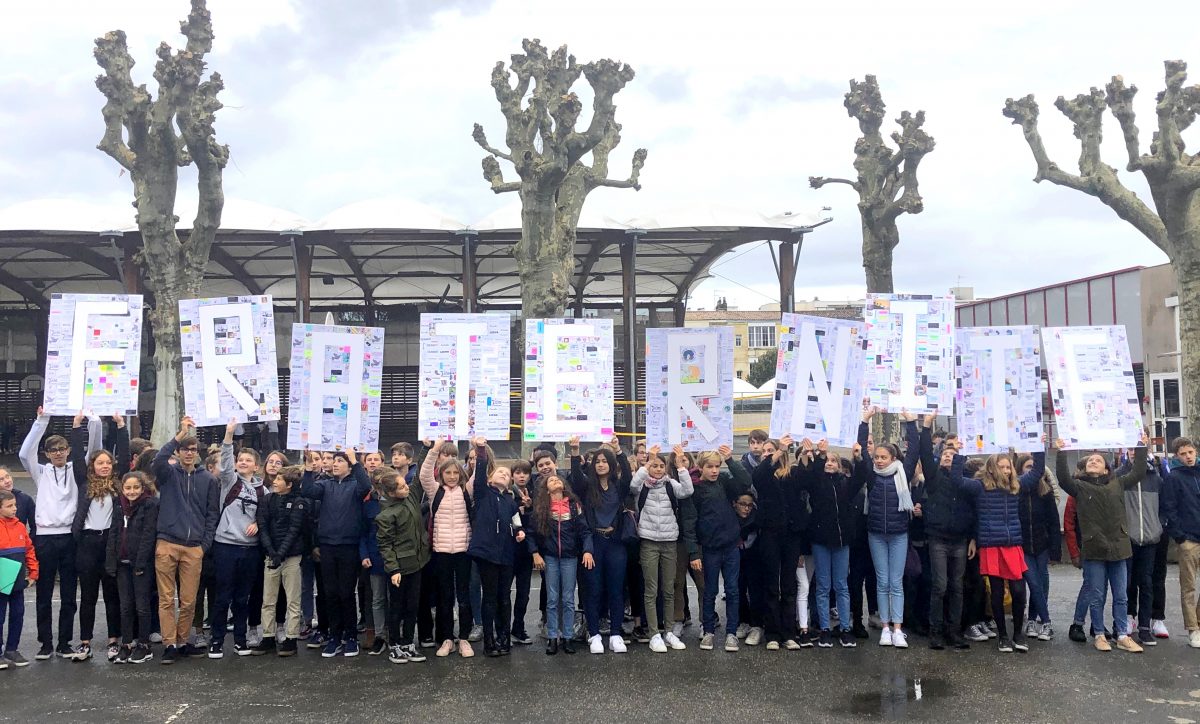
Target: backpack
(641, 502)
(236, 490)
(437, 502)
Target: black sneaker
(44, 653)
(1020, 645)
(936, 642)
(640, 635)
(123, 655)
(805, 639)
(16, 659)
(216, 650)
(520, 637)
(287, 647)
(428, 643)
(241, 649)
(1076, 634)
(64, 651)
(1145, 637)
(848, 640)
(825, 640)
(266, 646)
(190, 651)
(141, 654)
(170, 654)
(958, 641)
(380, 646)
(860, 631)
(1006, 646)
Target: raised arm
(640, 478)
(309, 487)
(161, 467)
(428, 481)
(912, 449)
(481, 467)
(121, 443)
(225, 470)
(739, 481)
(1030, 479)
(1138, 473)
(95, 428)
(1063, 472)
(682, 487)
(929, 463)
(29, 449)
(78, 454)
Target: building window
(762, 335)
(740, 374)
(737, 340)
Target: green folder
(9, 570)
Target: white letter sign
(335, 387)
(568, 379)
(229, 364)
(910, 352)
(93, 354)
(1092, 386)
(689, 387)
(464, 386)
(999, 399)
(818, 380)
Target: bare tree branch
(494, 176)
(481, 139)
(817, 182)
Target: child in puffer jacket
(658, 528)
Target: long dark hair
(541, 505)
(593, 480)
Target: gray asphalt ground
(1058, 681)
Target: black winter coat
(141, 536)
(782, 502)
(281, 525)
(948, 511)
(834, 518)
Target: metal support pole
(787, 276)
(469, 291)
(680, 311)
(629, 310)
(302, 260)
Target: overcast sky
(738, 103)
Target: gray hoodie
(1141, 509)
(240, 513)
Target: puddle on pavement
(897, 698)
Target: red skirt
(1007, 562)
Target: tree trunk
(168, 394)
(1188, 273)
(545, 277)
(878, 241)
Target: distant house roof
(769, 316)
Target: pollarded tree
(887, 179)
(152, 138)
(1173, 224)
(546, 150)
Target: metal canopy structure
(381, 253)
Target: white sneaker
(899, 639)
(596, 645)
(1047, 632)
(617, 644)
(1194, 639)
(677, 629)
(754, 638)
(657, 645)
(674, 642)
(731, 643)
(743, 630)
(1132, 627)
(1159, 628)
(706, 642)
(885, 638)
(772, 646)
(1031, 629)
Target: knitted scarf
(896, 470)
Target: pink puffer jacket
(452, 526)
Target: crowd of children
(429, 553)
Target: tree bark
(878, 242)
(1188, 272)
(546, 150)
(151, 138)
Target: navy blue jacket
(368, 542)
(188, 503)
(782, 502)
(493, 535)
(834, 515)
(998, 512)
(1181, 503)
(948, 511)
(340, 520)
(884, 516)
(716, 524)
(26, 507)
(565, 539)
(1040, 530)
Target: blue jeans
(606, 584)
(235, 568)
(559, 578)
(12, 606)
(833, 564)
(722, 563)
(1098, 577)
(1038, 579)
(889, 553)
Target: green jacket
(403, 540)
(1100, 504)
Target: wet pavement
(1059, 681)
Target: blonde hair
(783, 468)
(994, 479)
(708, 456)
